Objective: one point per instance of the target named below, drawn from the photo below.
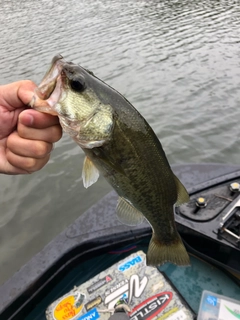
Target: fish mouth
(48, 93)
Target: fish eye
(77, 85)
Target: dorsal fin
(127, 213)
(182, 194)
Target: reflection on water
(176, 61)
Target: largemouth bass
(119, 143)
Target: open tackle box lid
(142, 291)
(214, 306)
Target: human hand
(26, 135)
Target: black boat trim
(213, 182)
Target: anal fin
(128, 214)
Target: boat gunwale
(20, 290)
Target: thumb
(25, 91)
(17, 94)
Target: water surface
(178, 62)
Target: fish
(120, 144)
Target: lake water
(178, 62)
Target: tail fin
(160, 252)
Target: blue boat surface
(209, 226)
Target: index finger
(38, 120)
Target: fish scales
(140, 174)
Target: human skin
(26, 135)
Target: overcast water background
(178, 62)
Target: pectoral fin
(128, 214)
(90, 173)
(182, 193)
